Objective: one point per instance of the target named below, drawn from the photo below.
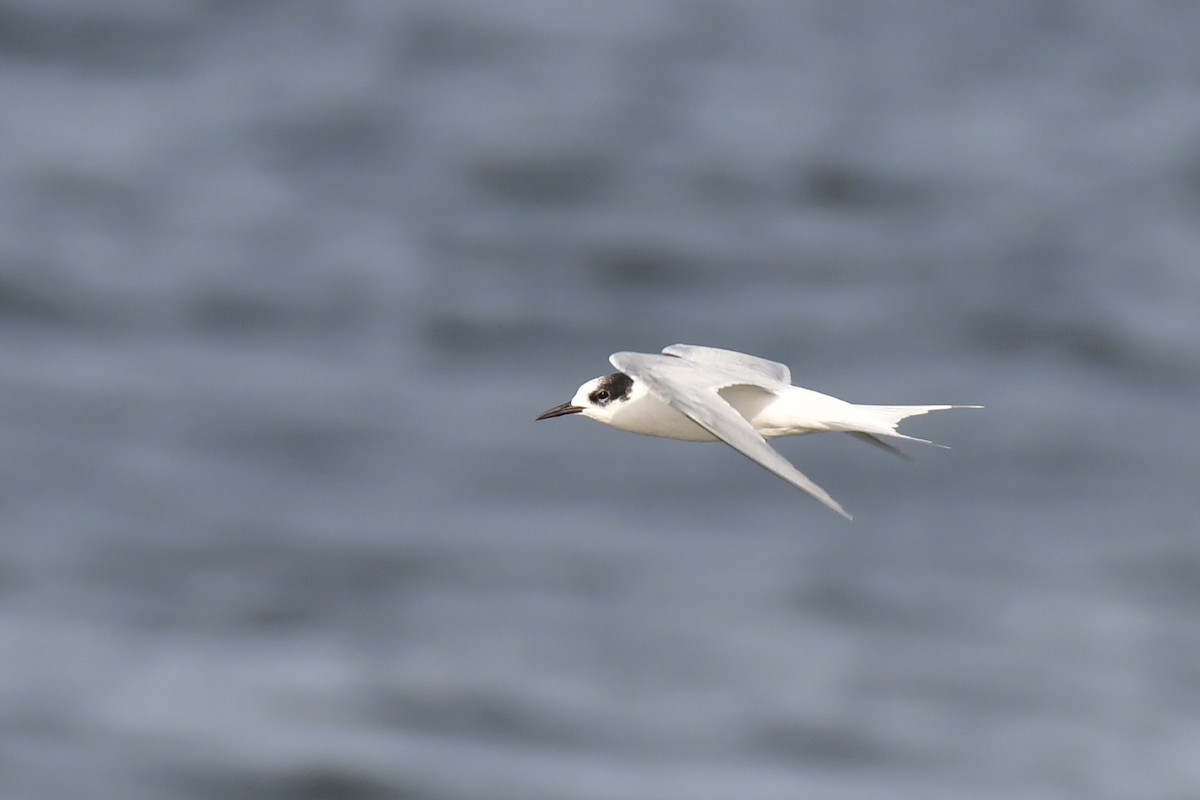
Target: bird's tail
(882, 420)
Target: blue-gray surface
(282, 286)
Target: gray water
(283, 285)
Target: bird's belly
(652, 417)
(793, 413)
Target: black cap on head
(611, 387)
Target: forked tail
(882, 421)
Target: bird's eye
(601, 395)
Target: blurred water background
(282, 286)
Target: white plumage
(706, 393)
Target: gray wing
(731, 360)
(881, 444)
(691, 389)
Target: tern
(705, 394)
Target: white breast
(649, 416)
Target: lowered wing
(691, 388)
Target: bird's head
(599, 399)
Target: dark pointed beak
(558, 411)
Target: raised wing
(731, 360)
(691, 389)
